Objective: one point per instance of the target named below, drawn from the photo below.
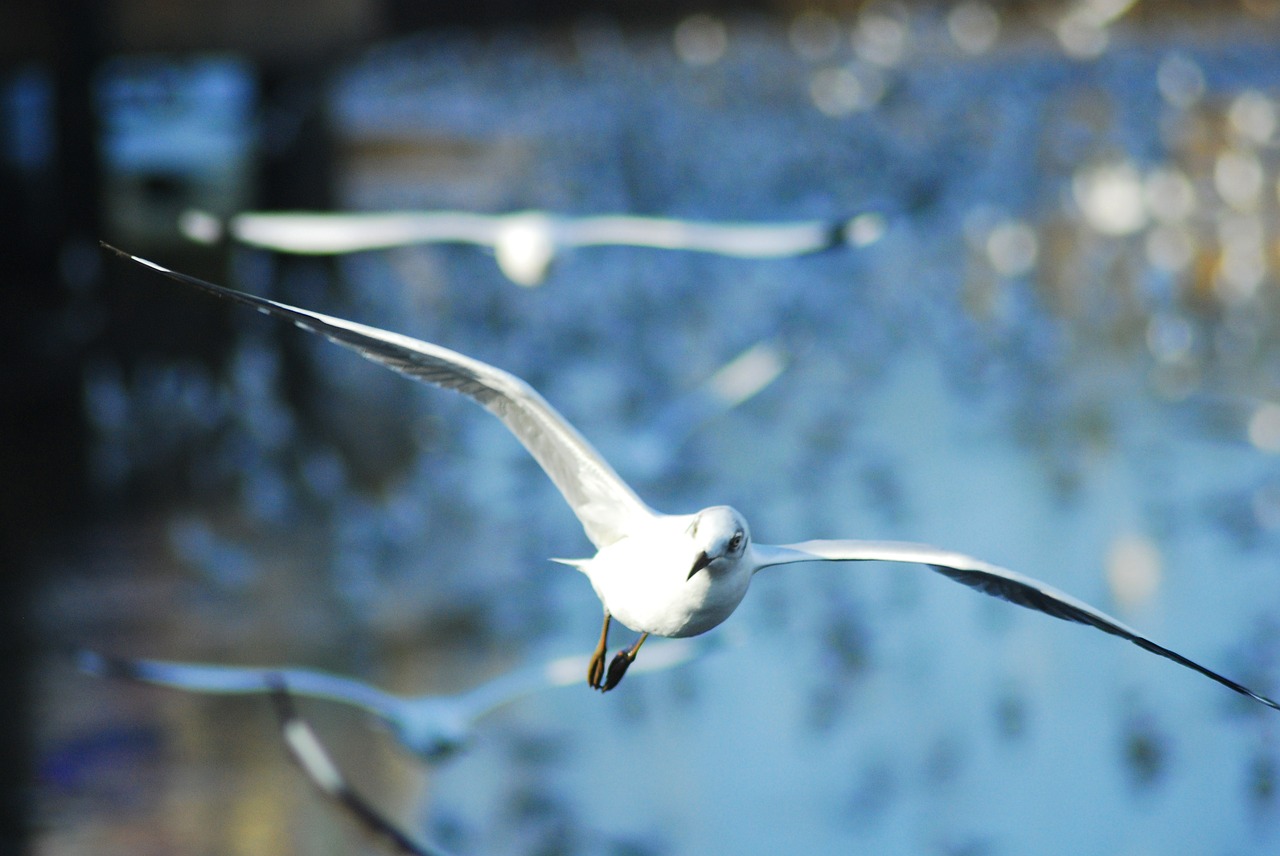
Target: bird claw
(595, 671)
(617, 668)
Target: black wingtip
(1245, 691)
(311, 756)
(845, 234)
(1030, 595)
(202, 284)
(836, 237)
(281, 698)
(1268, 702)
(119, 252)
(103, 666)
(1207, 672)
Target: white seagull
(524, 242)
(665, 574)
(433, 727)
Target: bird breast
(643, 581)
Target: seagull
(432, 727)
(673, 575)
(524, 242)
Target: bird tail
(580, 564)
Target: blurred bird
(525, 243)
(306, 749)
(655, 448)
(670, 575)
(431, 727)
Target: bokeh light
(1133, 570)
(974, 26)
(1110, 197)
(701, 39)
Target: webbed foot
(617, 668)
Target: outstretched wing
(603, 502)
(989, 579)
(319, 233)
(747, 240)
(237, 680)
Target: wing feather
(241, 680)
(602, 501)
(747, 240)
(988, 579)
(314, 233)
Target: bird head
(720, 537)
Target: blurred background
(1056, 347)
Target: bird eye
(735, 542)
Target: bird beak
(699, 563)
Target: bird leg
(595, 669)
(621, 661)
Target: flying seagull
(430, 726)
(525, 242)
(664, 574)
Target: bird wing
(315, 761)
(239, 680)
(321, 233)
(748, 240)
(989, 579)
(603, 502)
(233, 680)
